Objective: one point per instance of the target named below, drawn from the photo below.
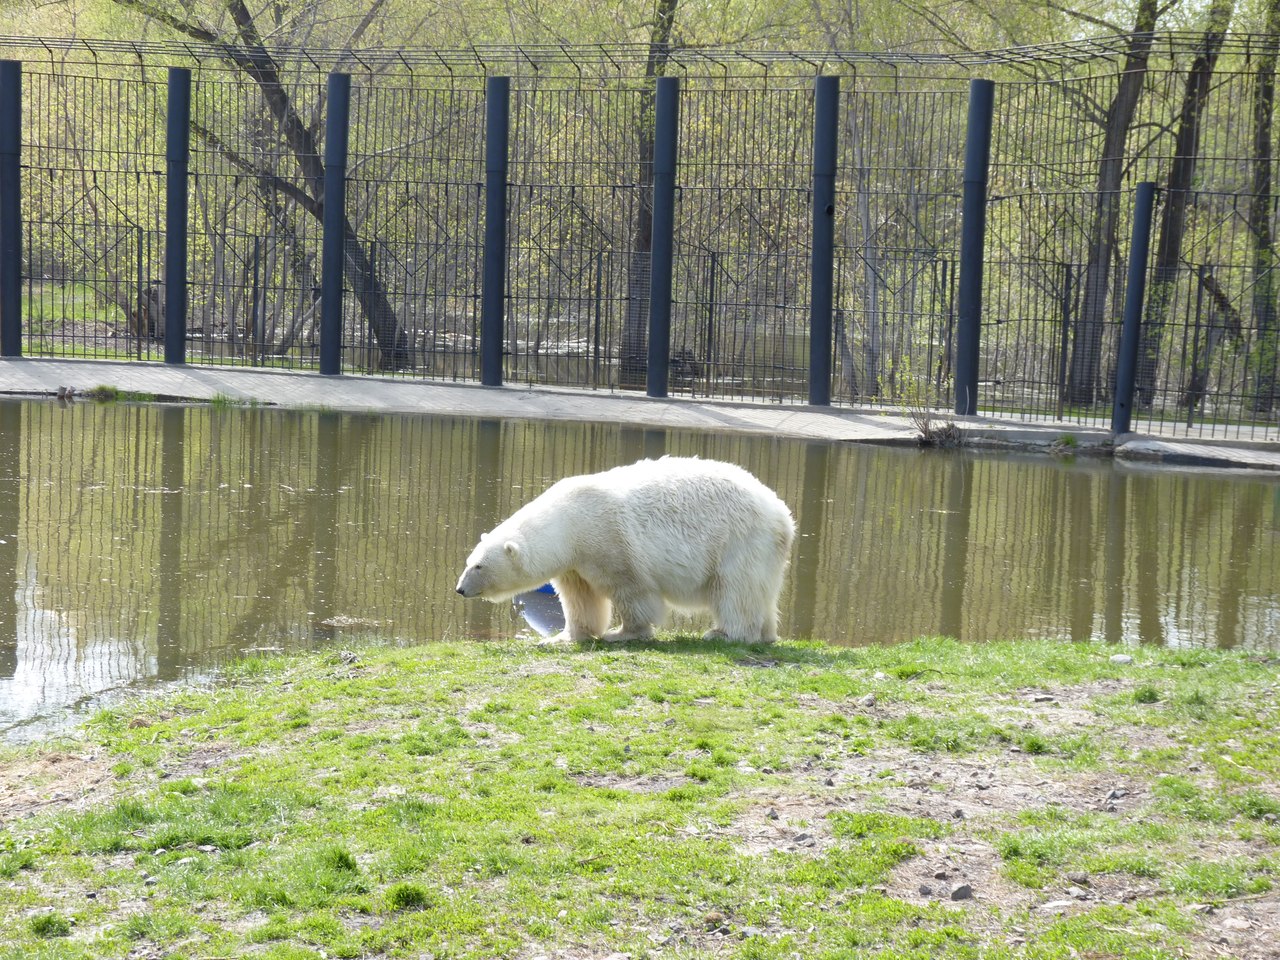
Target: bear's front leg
(586, 610)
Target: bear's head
(495, 571)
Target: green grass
(224, 401)
(46, 304)
(46, 925)
(105, 393)
(665, 799)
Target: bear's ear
(512, 548)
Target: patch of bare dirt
(204, 759)
(778, 822)
(1247, 928)
(961, 869)
(646, 784)
(63, 780)
(952, 789)
(713, 933)
(975, 796)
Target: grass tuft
(407, 896)
(46, 926)
(103, 393)
(1146, 694)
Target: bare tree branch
(244, 164)
(1084, 17)
(191, 29)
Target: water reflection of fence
(155, 542)
(579, 232)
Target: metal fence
(579, 219)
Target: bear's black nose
(461, 591)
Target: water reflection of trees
(987, 548)
(128, 558)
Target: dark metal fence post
(665, 134)
(826, 101)
(142, 300)
(1064, 339)
(10, 208)
(497, 128)
(256, 318)
(334, 244)
(973, 230)
(177, 160)
(1134, 295)
(710, 359)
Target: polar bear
(677, 532)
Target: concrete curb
(42, 377)
(1143, 449)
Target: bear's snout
(466, 584)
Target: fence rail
(1041, 273)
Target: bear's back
(697, 495)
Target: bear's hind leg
(639, 614)
(586, 610)
(744, 604)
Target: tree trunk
(633, 363)
(1261, 204)
(1224, 319)
(1177, 198)
(366, 283)
(1086, 356)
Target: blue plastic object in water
(540, 609)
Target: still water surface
(144, 544)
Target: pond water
(145, 544)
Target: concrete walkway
(43, 377)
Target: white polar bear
(675, 532)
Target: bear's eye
(478, 566)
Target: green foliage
(46, 305)
(1034, 743)
(103, 393)
(432, 739)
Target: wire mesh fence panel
(901, 140)
(94, 160)
(1208, 360)
(741, 275)
(1026, 344)
(415, 205)
(579, 231)
(253, 271)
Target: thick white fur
(678, 532)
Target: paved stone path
(43, 377)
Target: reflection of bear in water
(636, 541)
(146, 319)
